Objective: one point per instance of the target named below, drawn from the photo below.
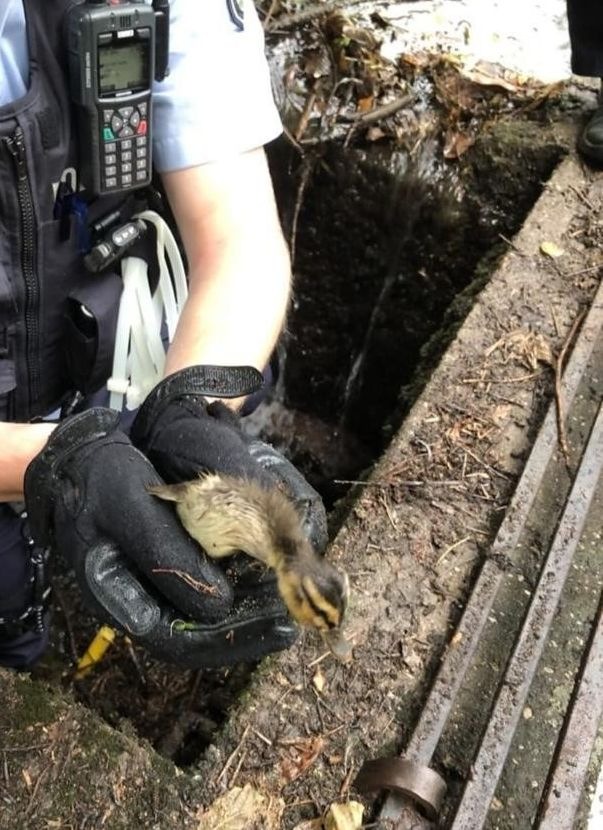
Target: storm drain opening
(389, 254)
(390, 250)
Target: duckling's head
(315, 592)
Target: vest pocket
(90, 325)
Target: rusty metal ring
(419, 783)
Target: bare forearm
(19, 444)
(234, 315)
(239, 274)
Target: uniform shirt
(217, 100)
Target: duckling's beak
(338, 645)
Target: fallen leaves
(456, 144)
(525, 347)
(319, 681)
(242, 808)
(551, 250)
(486, 74)
(301, 754)
(346, 816)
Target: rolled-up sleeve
(217, 100)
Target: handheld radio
(117, 48)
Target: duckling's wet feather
(227, 514)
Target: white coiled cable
(139, 354)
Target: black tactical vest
(41, 266)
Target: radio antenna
(162, 40)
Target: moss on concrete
(64, 767)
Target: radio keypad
(124, 130)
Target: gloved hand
(182, 435)
(136, 565)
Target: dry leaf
(456, 144)
(418, 59)
(310, 824)
(374, 134)
(531, 349)
(242, 808)
(344, 816)
(540, 352)
(551, 249)
(525, 347)
(303, 753)
(364, 37)
(365, 104)
(319, 681)
(492, 74)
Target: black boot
(590, 142)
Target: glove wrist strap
(197, 381)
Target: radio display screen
(123, 67)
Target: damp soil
(388, 261)
(419, 529)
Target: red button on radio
(142, 128)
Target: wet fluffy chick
(225, 515)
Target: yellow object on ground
(95, 651)
(344, 816)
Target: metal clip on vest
(139, 355)
(111, 249)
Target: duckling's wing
(168, 492)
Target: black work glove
(136, 565)
(182, 435)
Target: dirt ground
(421, 525)
(417, 371)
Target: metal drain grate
(472, 807)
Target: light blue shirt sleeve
(217, 100)
(14, 62)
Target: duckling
(225, 515)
